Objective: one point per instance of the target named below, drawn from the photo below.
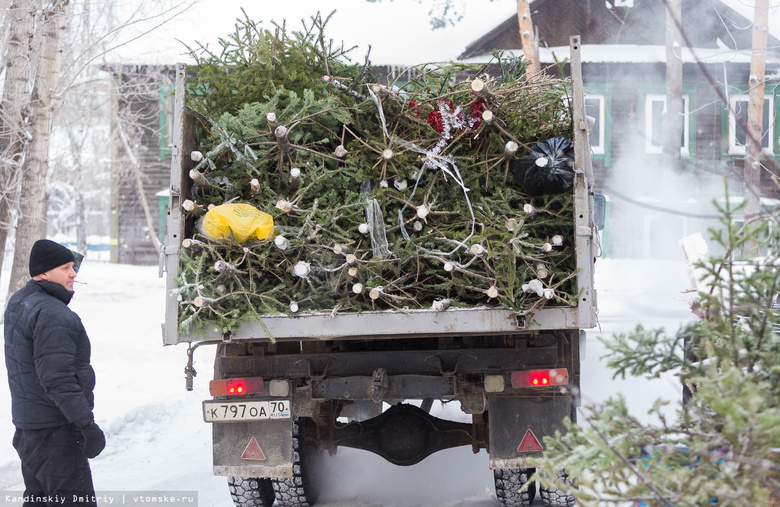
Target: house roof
(712, 27)
(632, 53)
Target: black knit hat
(47, 255)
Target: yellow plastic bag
(238, 221)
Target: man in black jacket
(47, 353)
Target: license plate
(232, 411)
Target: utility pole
(528, 38)
(755, 121)
(673, 121)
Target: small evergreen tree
(724, 445)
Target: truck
(290, 387)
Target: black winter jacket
(47, 354)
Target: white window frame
(739, 149)
(685, 150)
(599, 147)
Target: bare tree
(53, 21)
(13, 113)
(36, 84)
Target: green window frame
(650, 97)
(166, 101)
(732, 132)
(598, 105)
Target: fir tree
(724, 445)
(383, 196)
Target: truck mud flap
(518, 424)
(254, 449)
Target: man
(47, 354)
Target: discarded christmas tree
(387, 196)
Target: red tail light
(540, 378)
(236, 386)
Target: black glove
(94, 440)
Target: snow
(157, 440)
(633, 53)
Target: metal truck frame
(324, 382)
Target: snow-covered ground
(157, 440)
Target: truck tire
(508, 482)
(302, 490)
(252, 492)
(554, 497)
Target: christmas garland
(383, 197)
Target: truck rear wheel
(554, 497)
(508, 483)
(252, 492)
(303, 489)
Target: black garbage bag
(548, 169)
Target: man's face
(64, 275)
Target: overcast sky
(399, 31)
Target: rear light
(236, 386)
(540, 378)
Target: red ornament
(416, 110)
(435, 121)
(476, 112)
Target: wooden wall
(139, 112)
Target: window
(738, 115)
(594, 107)
(598, 105)
(655, 116)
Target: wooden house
(142, 161)
(651, 207)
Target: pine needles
(383, 196)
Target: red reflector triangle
(253, 451)
(529, 443)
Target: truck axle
(405, 435)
